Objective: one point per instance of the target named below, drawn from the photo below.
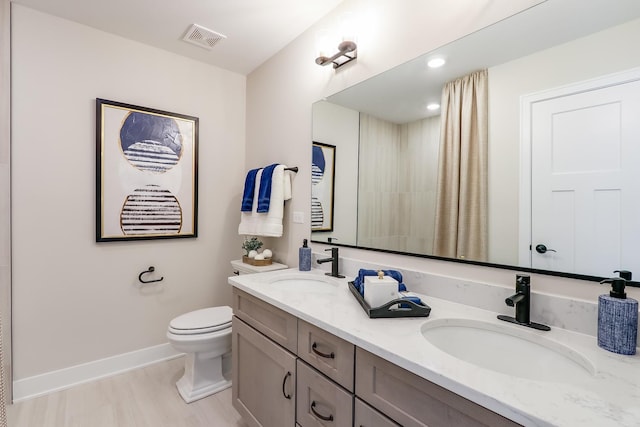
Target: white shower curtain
(461, 198)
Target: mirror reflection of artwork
(322, 181)
(146, 173)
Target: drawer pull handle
(284, 382)
(314, 348)
(322, 417)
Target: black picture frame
(146, 173)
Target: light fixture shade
(348, 30)
(325, 43)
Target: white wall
(280, 94)
(75, 300)
(340, 126)
(593, 56)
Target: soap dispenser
(618, 318)
(304, 255)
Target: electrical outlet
(298, 217)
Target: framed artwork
(146, 173)
(323, 167)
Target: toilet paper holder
(150, 270)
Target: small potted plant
(251, 246)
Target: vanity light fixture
(345, 34)
(436, 63)
(347, 52)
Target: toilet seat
(202, 321)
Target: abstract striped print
(316, 174)
(151, 210)
(317, 213)
(151, 156)
(151, 142)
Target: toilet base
(204, 377)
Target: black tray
(408, 308)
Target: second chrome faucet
(522, 302)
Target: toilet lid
(202, 321)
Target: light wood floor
(140, 398)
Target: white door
(585, 187)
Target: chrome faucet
(522, 301)
(334, 263)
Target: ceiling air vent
(202, 37)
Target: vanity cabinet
(287, 372)
(413, 401)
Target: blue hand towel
(358, 282)
(249, 189)
(264, 193)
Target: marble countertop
(610, 397)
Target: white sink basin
(317, 283)
(508, 349)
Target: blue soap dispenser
(618, 317)
(304, 255)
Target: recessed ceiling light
(432, 107)
(436, 62)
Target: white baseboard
(38, 385)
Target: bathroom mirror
(542, 53)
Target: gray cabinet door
(276, 324)
(327, 353)
(264, 379)
(321, 402)
(415, 402)
(365, 416)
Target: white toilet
(205, 336)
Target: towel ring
(150, 270)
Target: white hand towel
(249, 220)
(269, 223)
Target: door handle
(314, 348)
(541, 249)
(284, 382)
(319, 415)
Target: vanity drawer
(329, 354)
(319, 401)
(365, 416)
(413, 401)
(276, 324)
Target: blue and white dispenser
(618, 318)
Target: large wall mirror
(563, 149)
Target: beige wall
(74, 300)
(599, 54)
(280, 94)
